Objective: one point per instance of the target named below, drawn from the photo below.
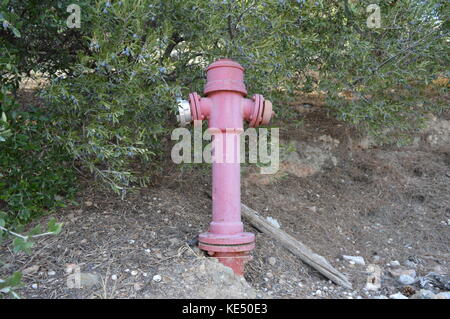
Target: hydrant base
(235, 261)
(231, 250)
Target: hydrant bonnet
(225, 75)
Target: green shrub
(115, 107)
(35, 175)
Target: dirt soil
(335, 192)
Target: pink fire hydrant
(225, 107)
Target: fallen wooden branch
(294, 246)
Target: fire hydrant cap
(225, 63)
(225, 75)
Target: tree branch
(175, 39)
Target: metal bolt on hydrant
(225, 106)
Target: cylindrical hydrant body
(225, 107)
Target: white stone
(398, 296)
(406, 279)
(157, 278)
(114, 277)
(443, 295)
(395, 263)
(51, 273)
(426, 294)
(272, 261)
(273, 222)
(134, 273)
(356, 259)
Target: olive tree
(114, 108)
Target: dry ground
(335, 192)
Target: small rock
(374, 277)
(157, 278)
(406, 280)
(356, 259)
(34, 286)
(424, 294)
(436, 280)
(398, 272)
(272, 261)
(88, 203)
(88, 280)
(114, 277)
(313, 209)
(395, 263)
(30, 270)
(439, 270)
(51, 273)
(134, 273)
(372, 287)
(398, 296)
(137, 286)
(71, 268)
(273, 222)
(443, 295)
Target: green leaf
(54, 227)
(21, 244)
(15, 31)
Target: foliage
(381, 78)
(34, 37)
(115, 107)
(34, 174)
(31, 173)
(22, 243)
